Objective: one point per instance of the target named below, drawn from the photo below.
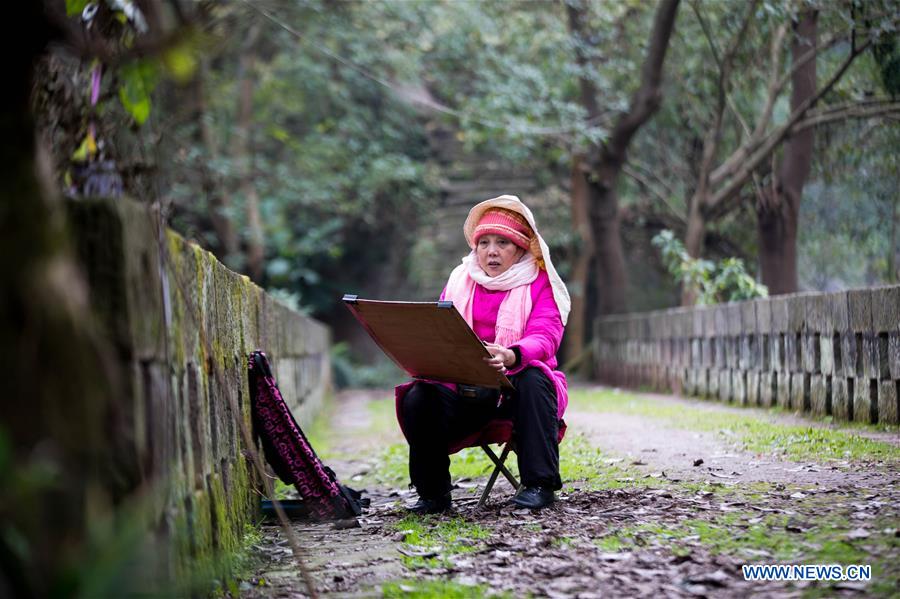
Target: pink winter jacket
(540, 341)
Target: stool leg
(499, 467)
(499, 462)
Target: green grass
(436, 589)
(581, 465)
(798, 443)
(445, 537)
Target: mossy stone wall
(180, 326)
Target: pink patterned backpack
(289, 453)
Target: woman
(510, 294)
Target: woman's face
(496, 254)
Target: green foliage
(727, 281)
(137, 82)
(436, 589)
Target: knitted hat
(505, 223)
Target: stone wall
(834, 353)
(181, 326)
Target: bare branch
(848, 111)
(740, 176)
(648, 96)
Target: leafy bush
(727, 281)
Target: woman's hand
(501, 357)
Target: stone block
(767, 388)
(850, 355)
(763, 315)
(776, 353)
(841, 398)
(894, 355)
(870, 356)
(745, 356)
(800, 399)
(753, 391)
(826, 353)
(725, 385)
(721, 320)
(792, 352)
(818, 313)
(779, 314)
(719, 344)
(739, 387)
(888, 408)
(709, 321)
(762, 359)
(860, 309)
(886, 309)
(865, 400)
(701, 388)
(734, 319)
(810, 352)
(840, 311)
(783, 390)
(797, 305)
(818, 396)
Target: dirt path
(685, 535)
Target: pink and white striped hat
(506, 223)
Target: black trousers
(433, 416)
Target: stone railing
(834, 353)
(181, 326)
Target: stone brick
(719, 344)
(850, 356)
(783, 390)
(818, 313)
(894, 355)
(840, 311)
(767, 388)
(753, 391)
(763, 315)
(712, 388)
(886, 309)
(800, 392)
(865, 401)
(724, 385)
(701, 388)
(797, 305)
(870, 357)
(810, 349)
(779, 314)
(841, 398)
(739, 387)
(745, 357)
(749, 322)
(763, 359)
(776, 352)
(792, 352)
(818, 396)
(826, 353)
(888, 408)
(734, 319)
(860, 308)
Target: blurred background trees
(324, 148)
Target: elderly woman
(510, 294)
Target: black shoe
(431, 506)
(534, 498)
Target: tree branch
(648, 96)
(739, 175)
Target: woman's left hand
(501, 357)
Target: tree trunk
(606, 161)
(244, 157)
(577, 336)
(779, 205)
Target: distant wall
(181, 326)
(834, 353)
